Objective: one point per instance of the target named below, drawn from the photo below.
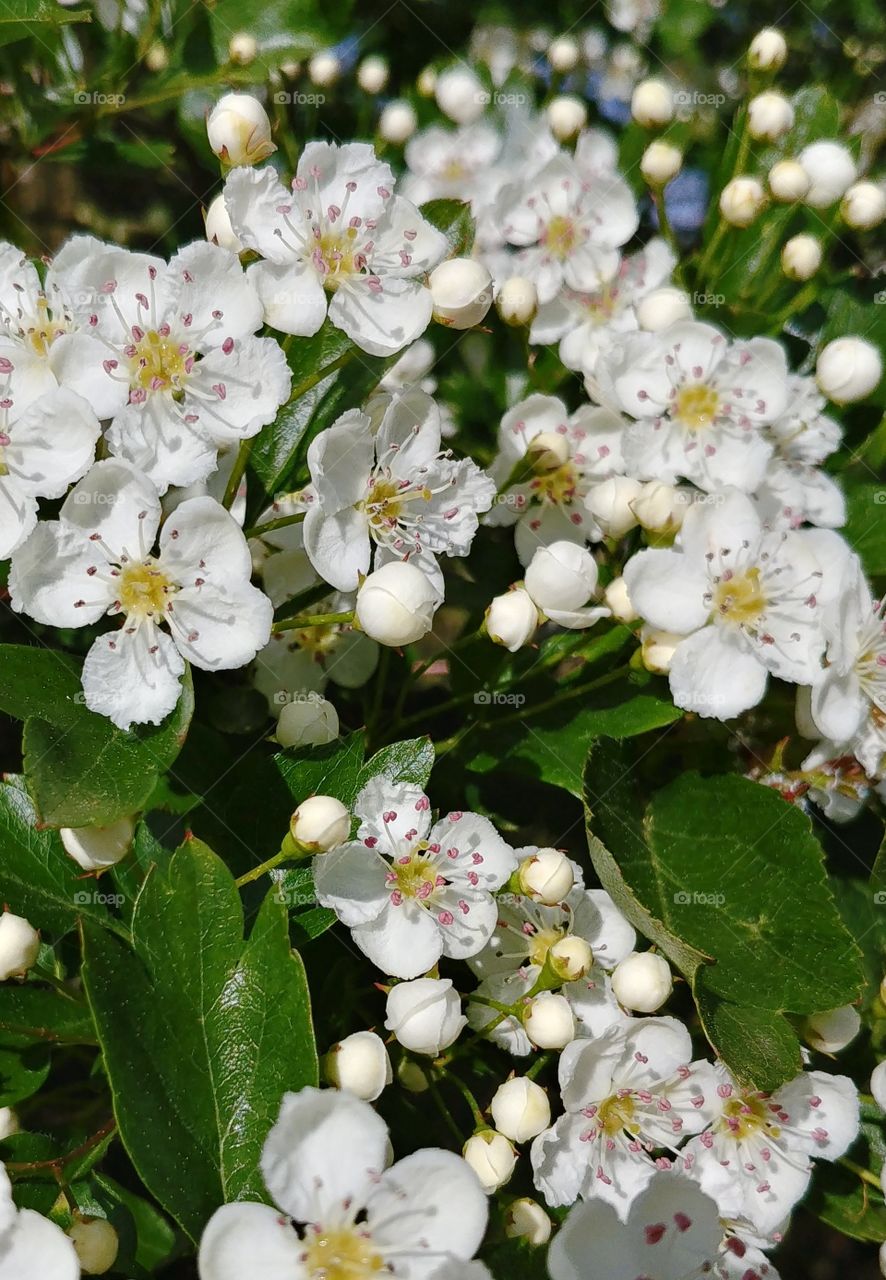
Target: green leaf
(729, 881)
(36, 1012)
(154, 1237)
(844, 1200)
(865, 528)
(202, 1033)
(81, 769)
(279, 453)
(453, 218)
(409, 761)
(37, 878)
(24, 1066)
(284, 29)
(22, 18)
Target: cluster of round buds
(319, 824)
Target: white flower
(98, 558)
(550, 505)
(748, 602)
(589, 324)
(360, 1064)
(425, 1014)
(848, 369)
(561, 578)
(512, 619)
(629, 1093)
(795, 490)
(756, 1159)
(189, 377)
(525, 931)
(384, 491)
(671, 1232)
(340, 231)
(239, 130)
(30, 1244)
(396, 604)
(701, 403)
(409, 891)
(520, 1109)
(45, 444)
(450, 163)
(343, 1212)
(19, 945)
(565, 229)
(307, 721)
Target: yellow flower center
(617, 1113)
(696, 406)
(743, 1116)
(415, 878)
(453, 171)
(144, 589)
(342, 1253)
(317, 641)
(158, 362)
(541, 944)
(42, 334)
(740, 599)
(336, 250)
(560, 237)
(557, 486)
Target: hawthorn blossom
(46, 443)
(794, 489)
(525, 932)
(342, 1210)
(450, 163)
(408, 890)
(756, 1158)
(30, 1244)
(340, 231)
(546, 498)
(627, 1094)
(566, 226)
(383, 490)
(747, 602)
(43, 336)
(700, 402)
(184, 377)
(98, 558)
(589, 324)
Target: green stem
(476, 1113)
(59, 1162)
(864, 1174)
(237, 473)
(559, 698)
(311, 381)
(285, 855)
(539, 1065)
(440, 1102)
(315, 620)
(664, 226)
(282, 522)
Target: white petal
(426, 1207)
(114, 501)
(715, 675)
(388, 811)
(825, 1109)
(351, 881)
(18, 515)
(155, 438)
(201, 539)
(340, 461)
(77, 360)
(206, 279)
(597, 919)
(403, 941)
(49, 578)
(838, 705)
(132, 677)
(720, 526)
(219, 627)
(247, 1238)
(252, 199)
(52, 443)
(476, 847)
(667, 589)
(234, 393)
(292, 298)
(37, 1247)
(384, 321)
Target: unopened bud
(658, 649)
(801, 257)
(571, 958)
(660, 163)
(96, 1244)
(324, 69)
(307, 722)
(610, 504)
(372, 74)
(397, 122)
(95, 848)
(19, 945)
(848, 369)
(218, 226)
(460, 95)
(527, 1220)
(461, 291)
(832, 1031)
(425, 1015)
(652, 103)
(660, 507)
(546, 876)
(512, 619)
(548, 1020)
(359, 1064)
(239, 130)
(642, 981)
(520, 1109)
(491, 1157)
(547, 451)
(741, 200)
(320, 823)
(788, 181)
(563, 54)
(770, 116)
(864, 206)
(663, 307)
(517, 301)
(831, 170)
(618, 602)
(396, 604)
(566, 116)
(768, 50)
(242, 48)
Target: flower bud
(218, 226)
(571, 958)
(618, 602)
(788, 181)
(460, 95)
(461, 290)
(562, 575)
(831, 170)
(425, 1015)
(307, 722)
(491, 1157)
(95, 848)
(642, 981)
(652, 103)
(657, 649)
(19, 946)
(660, 163)
(397, 122)
(663, 307)
(324, 69)
(546, 876)
(239, 130)
(610, 504)
(563, 54)
(770, 116)
(832, 1031)
(527, 1220)
(242, 48)
(520, 1109)
(660, 507)
(768, 50)
(848, 369)
(512, 619)
(95, 1243)
(9, 1123)
(864, 206)
(517, 301)
(567, 115)
(372, 74)
(741, 200)
(396, 604)
(412, 1077)
(878, 1085)
(801, 257)
(548, 1020)
(426, 83)
(320, 823)
(547, 451)
(157, 57)
(882, 1253)
(360, 1064)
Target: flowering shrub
(443, 659)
